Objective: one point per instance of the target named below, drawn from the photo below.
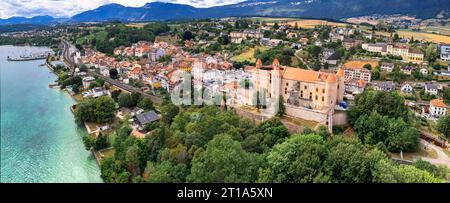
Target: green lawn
(248, 55)
(99, 36)
(107, 152)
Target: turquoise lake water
(40, 141)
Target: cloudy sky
(67, 8)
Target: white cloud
(67, 8)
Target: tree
(187, 35)
(394, 133)
(125, 100)
(169, 112)
(166, 172)
(223, 161)
(436, 171)
(99, 110)
(115, 95)
(299, 159)
(443, 126)
(276, 26)
(101, 141)
(146, 104)
(386, 104)
(367, 66)
(281, 108)
(132, 159)
(446, 95)
(113, 73)
(94, 85)
(346, 162)
(264, 136)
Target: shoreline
(94, 153)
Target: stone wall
(340, 118)
(303, 113)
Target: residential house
(445, 52)
(349, 43)
(292, 35)
(385, 86)
(406, 88)
(146, 118)
(98, 92)
(431, 88)
(407, 69)
(388, 67)
(354, 86)
(424, 71)
(438, 108)
(87, 81)
(304, 40)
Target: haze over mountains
(332, 9)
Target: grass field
(301, 122)
(107, 152)
(99, 36)
(248, 55)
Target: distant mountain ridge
(332, 9)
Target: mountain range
(331, 9)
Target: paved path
(442, 159)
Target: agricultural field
(248, 55)
(309, 24)
(436, 38)
(424, 36)
(441, 30)
(136, 25)
(302, 23)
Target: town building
(307, 94)
(238, 37)
(355, 70)
(407, 53)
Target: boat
(30, 57)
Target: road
(126, 87)
(69, 49)
(442, 158)
(301, 59)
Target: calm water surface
(40, 141)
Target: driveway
(442, 158)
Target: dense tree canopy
(204, 144)
(224, 160)
(99, 110)
(443, 126)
